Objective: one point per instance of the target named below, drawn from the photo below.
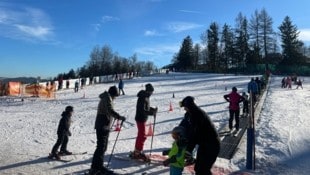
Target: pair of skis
(233, 133)
(51, 157)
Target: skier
(176, 160)
(63, 133)
(245, 109)
(105, 115)
(252, 88)
(143, 110)
(234, 110)
(299, 84)
(121, 87)
(76, 86)
(204, 135)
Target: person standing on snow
(63, 133)
(245, 109)
(105, 115)
(204, 135)
(252, 88)
(121, 87)
(143, 110)
(234, 110)
(176, 154)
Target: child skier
(176, 154)
(245, 109)
(63, 133)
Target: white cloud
(151, 33)
(191, 11)
(38, 31)
(177, 27)
(158, 50)
(106, 18)
(304, 34)
(24, 23)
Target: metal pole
(153, 135)
(114, 144)
(250, 135)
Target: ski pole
(114, 144)
(153, 135)
(112, 123)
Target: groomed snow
(28, 128)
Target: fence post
(250, 156)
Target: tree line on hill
(251, 44)
(103, 61)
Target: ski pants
(141, 136)
(175, 170)
(102, 144)
(206, 156)
(234, 114)
(62, 140)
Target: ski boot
(64, 153)
(54, 156)
(139, 156)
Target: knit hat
(234, 89)
(113, 91)
(69, 109)
(149, 87)
(187, 101)
(178, 132)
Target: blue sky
(47, 37)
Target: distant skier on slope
(63, 133)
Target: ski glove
(189, 158)
(165, 152)
(172, 159)
(122, 118)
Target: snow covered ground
(28, 128)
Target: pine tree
(290, 44)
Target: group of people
(187, 135)
(286, 82)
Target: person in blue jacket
(121, 87)
(253, 89)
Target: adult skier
(105, 115)
(143, 110)
(203, 134)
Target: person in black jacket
(63, 133)
(105, 115)
(201, 131)
(143, 110)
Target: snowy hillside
(28, 128)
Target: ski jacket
(105, 112)
(121, 84)
(252, 87)
(64, 124)
(177, 155)
(143, 109)
(234, 99)
(203, 131)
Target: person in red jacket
(234, 110)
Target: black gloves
(189, 158)
(170, 160)
(122, 118)
(165, 152)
